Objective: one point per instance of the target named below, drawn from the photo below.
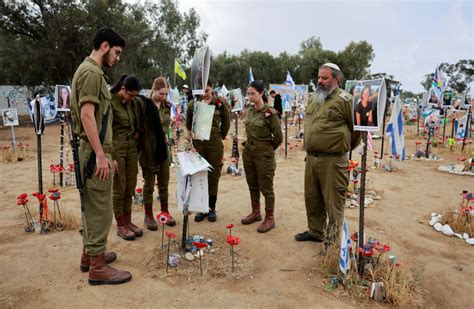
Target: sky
(409, 38)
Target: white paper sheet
(193, 191)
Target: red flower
(199, 245)
(229, 226)
(35, 194)
(139, 190)
(417, 142)
(354, 237)
(233, 241)
(382, 248)
(22, 202)
(54, 168)
(71, 167)
(22, 196)
(163, 217)
(353, 164)
(54, 197)
(170, 234)
(366, 253)
(218, 103)
(52, 190)
(466, 210)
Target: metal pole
(383, 128)
(468, 124)
(61, 148)
(12, 128)
(286, 134)
(362, 201)
(445, 119)
(418, 109)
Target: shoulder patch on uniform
(269, 112)
(345, 95)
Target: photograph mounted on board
(350, 86)
(369, 104)
(200, 70)
(62, 96)
(48, 109)
(10, 117)
(236, 100)
(447, 98)
(291, 97)
(433, 97)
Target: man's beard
(322, 93)
(105, 60)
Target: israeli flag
(251, 76)
(395, 130)
(346, 243)
(289, 79)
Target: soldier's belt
(85, 145)
(318, 154)
(258, 143)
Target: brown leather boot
(268, 223)
(132, 227)
(164, 208)
(122, 228)
(254, 216)
(149, 220)
(101, 273)
(109, 257)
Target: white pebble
(438, 226)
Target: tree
(458, 76)
(48, 39)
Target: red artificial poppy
(354, 237)
(382, 248)
(71, 167)
(366, 253)
(229, 226)
(138, 190)
(218, 103)
(233, 241)
(22, 196)
(163, 217)
(417, 142)
(170, 234)
(52, 190)
(35, 194)
(466, 210)
(41, 197)
(22, 202)
(54, 168)
(54, 197)
(353, 164)
(199, 245)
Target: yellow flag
(179, 70)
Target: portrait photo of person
(63, 97)
(432, 97)
(10, 117)
(363, 110)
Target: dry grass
(216, 265)
(460, 223)
(401, 284)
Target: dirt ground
(272, 270)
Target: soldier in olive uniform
(328, 136)
(263, 129)
(92, 113)
(153, 123)
(125, 154)
(213, 149)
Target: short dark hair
(108, 35)
(209, 83)
(130, 82)
(272, 91)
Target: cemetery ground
(272, 269)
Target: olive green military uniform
(328, 136)
(153, 172)
(125, 153)
(90, 86)
(264, 135)
(213, 149)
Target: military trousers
(125, 180)
(213, 152)
(97, 198)
(325, 185)
(156, 174)
(259, 166)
